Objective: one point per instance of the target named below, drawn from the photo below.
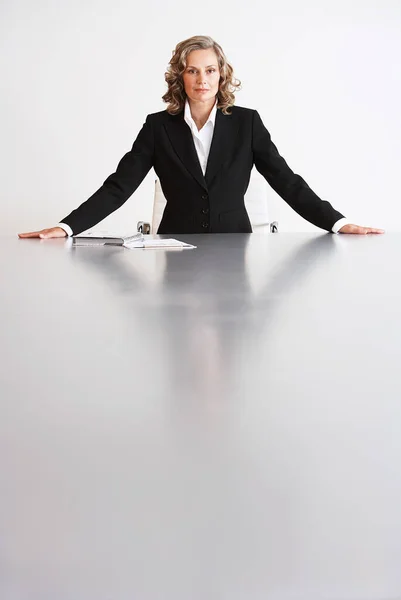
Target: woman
(202, 148)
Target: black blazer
(213, 203)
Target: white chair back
(256, 203)
(159, 203)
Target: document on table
(167, 243)
(105, 238)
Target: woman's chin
(202, 97)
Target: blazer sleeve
(118, 187)
(290, 186)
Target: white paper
(167, 243)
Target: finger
(29, 234)
(365, 230)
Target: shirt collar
(189, 120)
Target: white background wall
(78, 79)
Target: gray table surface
(212, 424)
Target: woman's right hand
(53, 232)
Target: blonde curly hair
(175, 95)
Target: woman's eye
(192, 71)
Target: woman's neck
(200, 111)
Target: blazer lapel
(181, 139)
(223, 143)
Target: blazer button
(205, 224)
(204, 211)
(205, 197)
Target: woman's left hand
(359, 230)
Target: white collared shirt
(203, 141)
(203, 137)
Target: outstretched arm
(116, 189)
(293, 188)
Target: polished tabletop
(222, 423)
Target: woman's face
(201, 76)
